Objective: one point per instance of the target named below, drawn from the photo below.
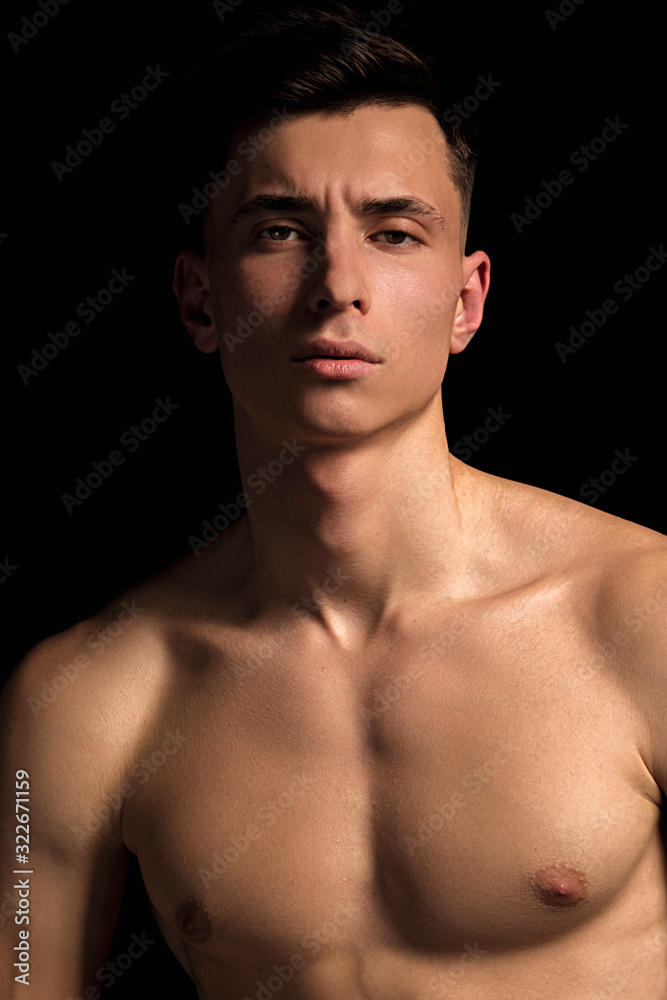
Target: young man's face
(341, 264)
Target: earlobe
(470, 307)
(191, 288)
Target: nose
(340, 279)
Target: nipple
(193, 922)
(560, 885)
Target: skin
(416, 711)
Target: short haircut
(319, 60)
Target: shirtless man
(398, 732)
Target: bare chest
(461, 788)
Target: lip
(336, 368)
(334, 350)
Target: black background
(119, 209)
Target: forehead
(339, 159)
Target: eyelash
(289, 228)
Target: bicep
(58, 906)
(60, 924)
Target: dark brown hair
(320, 60)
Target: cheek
(256, 284)
(238, 292)
(254, 297)
(420, 311)
(250, 313)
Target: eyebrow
(401, 205)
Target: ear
(470, 307)
(191, 288)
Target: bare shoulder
(109, 667)
(74, 706)
(551, 533)
(84, 671)
(612, 574)
(100, 680)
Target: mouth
(341, 364)
(345, 350)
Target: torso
(464, 808)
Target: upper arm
(68, 904)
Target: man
(397, 732)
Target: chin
(328, 418)
(331, 432)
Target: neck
(356, 533)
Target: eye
(279, 234)
(400, 234)
(278, 230)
